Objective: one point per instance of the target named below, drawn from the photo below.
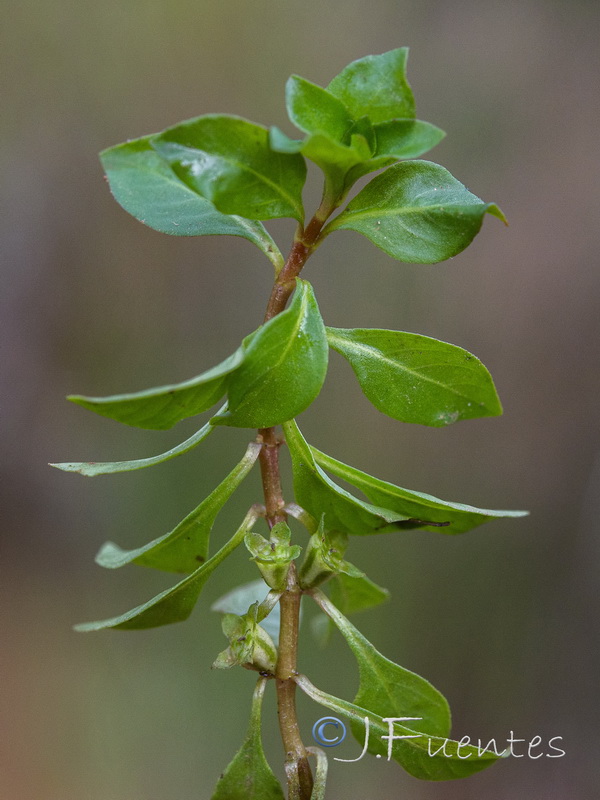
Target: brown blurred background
(504, 619)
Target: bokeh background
(504, 619)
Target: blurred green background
(504, 619)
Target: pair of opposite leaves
(221, 174)
(279, 370)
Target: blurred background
(503, 619)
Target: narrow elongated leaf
(186, 546)
(418, 507)
(315, 110)
(414, 378)
(228, 161)
(319, 495)
(177, 603)
(164, 406)
(249, 776)
(145, 186)
(417, 212)
(376, 87)
(386, 688)
(93, 468)
(426, 757)
(283, 369)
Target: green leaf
(319, 495)
(351, 594)
(417, 212)
(145, 186)
(93, 468)
(283, 369)
(376, 87)
(421, 755)
(414, 378)
(398, 139)
(406, 138)
(315, 110)
(187, 545)
(419, 508)
(386, 688)
(248, 776)
(164, 406)
(228, 161)
(177, 603)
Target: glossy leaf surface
(319, 495)
(416, 212)
(177, 603)
(417, 506)
(145, 186)
(249, 776)
(285, 362)
(228, 161)
(313, 109)
(93, 468)
(376, 87)
(398, 139)
(187, 545)
(386, 688)
(458, 760)
(414, 378)
(164, 406)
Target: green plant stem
(299, 775)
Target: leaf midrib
(359, 346)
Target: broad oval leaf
(386, 688)
(186, 546)
(227, 160)
(426, 757)
(319, 495)
(406, 138)
(177, 603)
(145, 186)
(284, 366)
(313, 109)
(92, 468)
(414, 378)
(376, 87)
(417, 212)
(164, 406)
(249, 776)
(420, 508)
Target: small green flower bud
(273, 557)
(250, 646)
(324, 558)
